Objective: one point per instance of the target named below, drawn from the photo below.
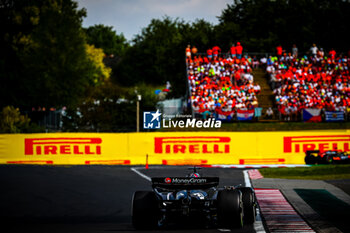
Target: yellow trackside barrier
(176, 148)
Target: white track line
(258, 225)
(134, 169)
(246, 179)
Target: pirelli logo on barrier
(298, 144)
(69, 146)
(192, 145)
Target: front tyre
(144, 210)
(230, 208)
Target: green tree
(46, 61)
(106, 38)
(109, 108)
(262, 25)
(17, 20)
(11, 120)
(200, 34)
(99, 72)
(157, 56)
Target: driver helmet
(195, 175)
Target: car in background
(327, 157)
(193, 199)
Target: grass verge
(317, 172)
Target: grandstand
(221, 85)
(316, 82)
(296, 88)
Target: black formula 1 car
(193, 199)
(326, 157)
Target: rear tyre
(144, 210)
(249, 204)
(310, 159)
(230, 208)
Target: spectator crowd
(221, 83)
(319, 80)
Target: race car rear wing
(185, 182)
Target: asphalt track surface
(84, 198)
